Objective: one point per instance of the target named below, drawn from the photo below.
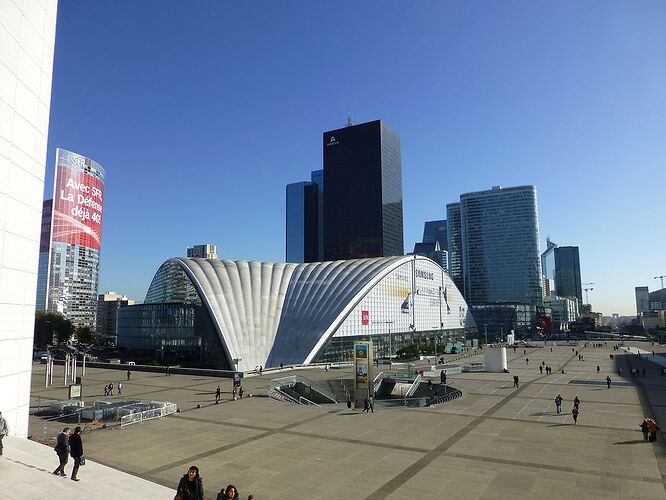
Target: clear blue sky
(202, 112)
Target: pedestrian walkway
(26, 471)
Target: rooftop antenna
(349, 120)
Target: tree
(50, 324)
(85, 335)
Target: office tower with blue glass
(454, 244)
(434, 244)
(363, 192)
(500, 235)
(304, 218)
(567, 273)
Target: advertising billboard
(77, 200)
(362, 375)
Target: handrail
(413, 387)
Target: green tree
(50, 324)
(85, 335)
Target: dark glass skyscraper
(363, 198)
(500, 234)
(303, 229)
(567, 273)
(455, 244)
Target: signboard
(362, 375)
(77, 200)
(365, 318)
(75, 391)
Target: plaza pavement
(496, 442)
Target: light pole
(587, 289)
(662, 280)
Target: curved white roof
(268, 313)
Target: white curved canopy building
(270, 313)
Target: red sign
(365, 317)
(77, 208)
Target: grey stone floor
(494, 442)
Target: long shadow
(631, 441)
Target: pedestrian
(240, 392)
(366, 406)
(551, 349)
(598, 369)
(429, 385)
(558, 403)
(168, 372)
(76, 451)
(442, 376)
(524, 351)
(371, 402)
(541, 369)
(129, 374)
(106, 390)
(218, 393)
(190, 486)
(110, 389)
(4, 430)
(230, 493)
(653, 428)
(576, 402)
(62, 450)
(645, 429)
(120, 388)
(608, 381)
(261, 369)
(515, 380)
(233, 393)
(281, 366)
(574, 414)
(527, 361)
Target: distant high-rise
(500, 235)
(642, 299)
(434, 242)
(107, 312)
(304, 217)
(70, 250)
(205, 251)
(567, 273)
(548, 268)
(455, 244)
(363, 197)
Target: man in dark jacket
(76, 451)
(62, 449)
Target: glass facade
(548, 268)
(567, 273)
(363, 197)
(71, 240)
(500, 233)
(500, 319)
(435, 231)
(302, 232)
(454, 245)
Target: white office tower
(27, 40)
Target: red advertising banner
(77, 208)
(365, 318)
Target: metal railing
(276, 393)
(292, 380)
(141, 416)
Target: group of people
(190, 487)
(649, 428)
(574, 410)
(69, 444)
(368, 405)
(108, 389)
(543, 367)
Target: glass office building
(434, 243)
(302, 232)
(363, 196)
(567, 273)
(548, 268)
(455, 245)
(500, 234)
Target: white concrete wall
(495, 359)
(27, 40)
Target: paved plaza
(496, 441)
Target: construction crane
(587, 289)
(662, 280)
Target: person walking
(576, 402)
(541, 369)
(4, 430)
(653, 428)
(129, 374)
(558, 403)
(371, 403)
(515, 380)
(608, 381)
(442, 376)
(574, 414)
(62, 449)
(120, 388)
(110, 388)
(240, 392)
(366, 406)
(645, 429)
(190, 486)
(76, 451)
(598, 368)
(527, 361)
(218, 393)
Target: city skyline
(477, 103)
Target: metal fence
(141, 416)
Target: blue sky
(202, 112)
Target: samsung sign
(426, 275)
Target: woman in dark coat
(76, 451)
(190, 486)
(231, 493)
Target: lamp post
(662, 280)
(587, 289)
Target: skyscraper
(205, 251)
(71, 250)
(434, 242)
(548, 268)
(567, 273)
(107, 312)
(303, 233)
(500, 235)
(27, 40)
(455, 244)
(642, 299)
(363, 197)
